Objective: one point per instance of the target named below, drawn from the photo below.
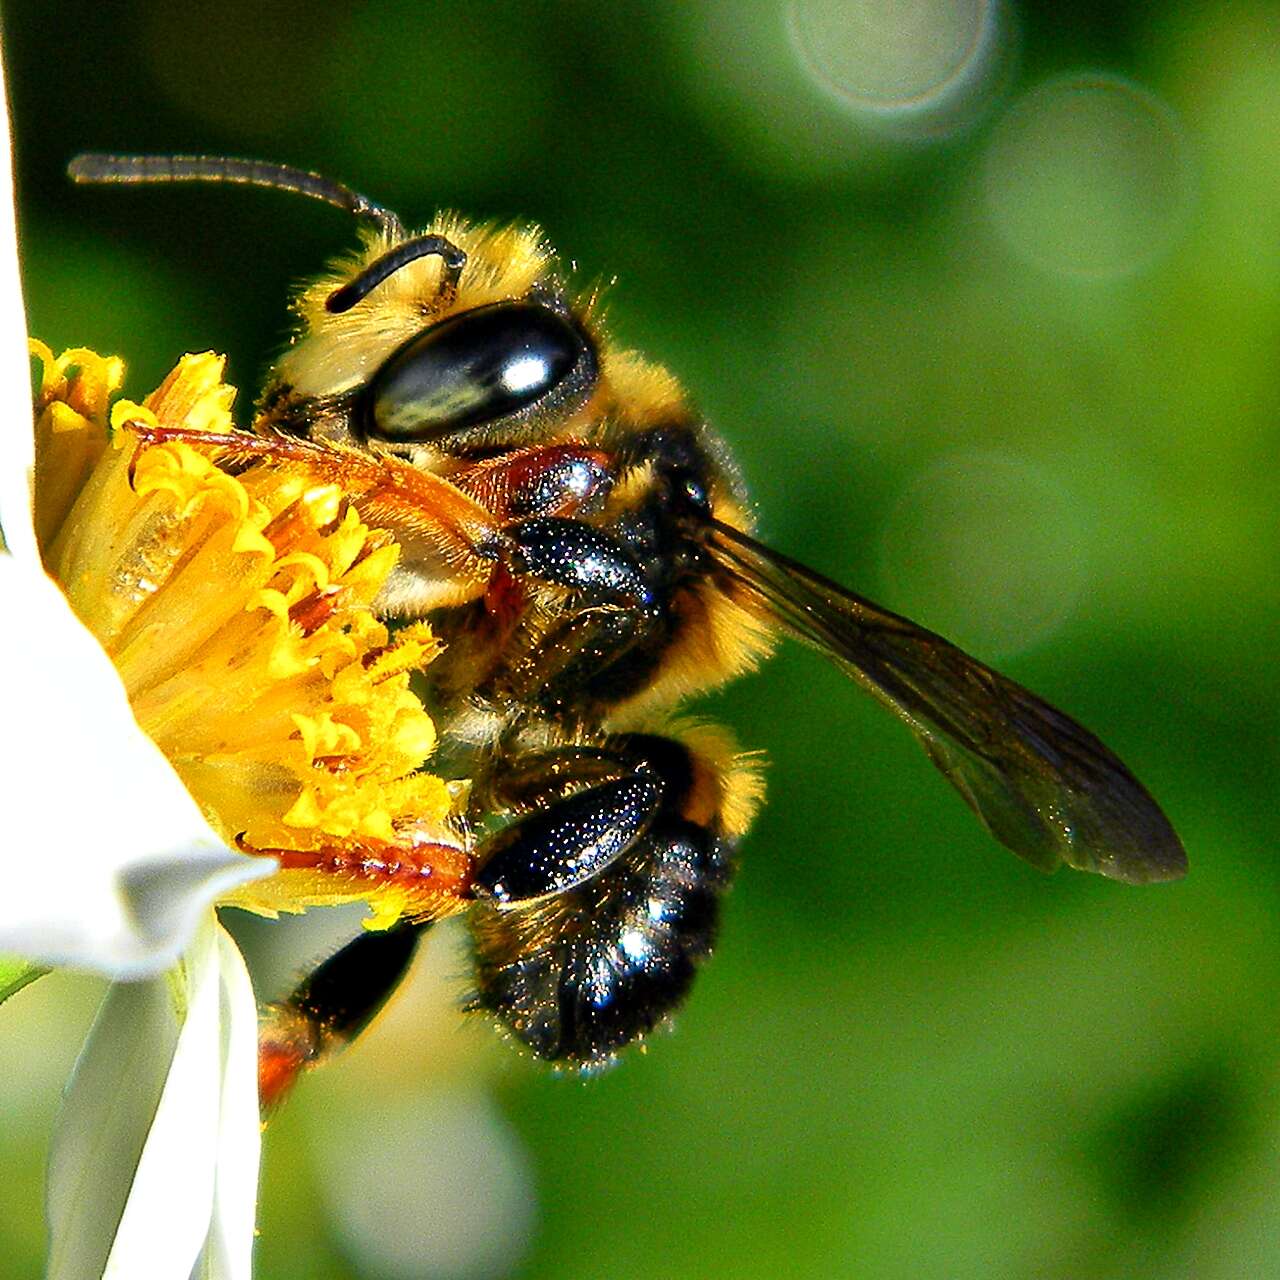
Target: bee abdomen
(579, 977)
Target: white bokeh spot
(1088, 176)
(987, 549)
(462, 1203)
(922, 64)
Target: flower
(237, 611)
(110, 865)
(230, 618)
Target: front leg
(586, 619)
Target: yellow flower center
(238, 610)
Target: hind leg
(578, 973)
(331, 1006)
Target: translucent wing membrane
(1041, 783)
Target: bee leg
(612, 609)
(546, 480)
(331, 1006)
(434, 521)
(582, 973)
(595, 565)
(567, 843)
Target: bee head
(455, 343)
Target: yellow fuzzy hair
(334, 353)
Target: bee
(581, 541)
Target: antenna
(453, 258)
(93, 167)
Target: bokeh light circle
(1088, 176)
(987, 549)
(429, 1186)
(896, 57)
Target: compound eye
(503, 362)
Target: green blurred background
(1002, 355)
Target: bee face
(580, 542)
(452, 351)
(473, 360)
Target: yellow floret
(238, 610)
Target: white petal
(228, 1253)
(17, 446)
(102, 1127)
(166, 1217)
(107, 862)
(133, 1169)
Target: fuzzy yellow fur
(335, 353)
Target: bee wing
(1042, 784)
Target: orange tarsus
(280, 1063)
(437, 878)
(432, 871)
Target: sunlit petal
(102, 1128)
(108, 861)
(166, 1217)
(16, 444)
(132, 1166)
(228, 1253)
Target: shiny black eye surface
(508, 360)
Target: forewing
(1041, 783)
